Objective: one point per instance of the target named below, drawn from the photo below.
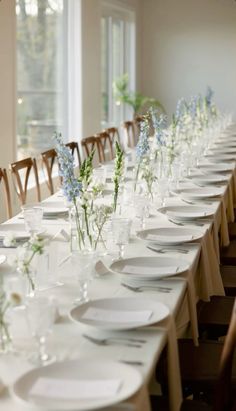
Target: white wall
(187, 45)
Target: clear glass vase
(82, 236)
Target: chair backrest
(223, 396)
(5, 183)
(91, 143)
(20, 171)
(105, 146)
(48, 159)
(74, 147)
(129, 133)
(114, 134)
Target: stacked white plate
(149, 268)
(208, 178)
(216, 168)
(170, 235)
(119, 314)
(199, 193)
(55, 211)
(186, 213)
(79, 385)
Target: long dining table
(200, 280)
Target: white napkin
(133, 269)
(74, 389)
(170, 238)
(116, 316)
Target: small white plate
(55, 210)
(92, 369)
(186, 213)
(2, 259)
(170, 235)
(126, 304)
(199, 193)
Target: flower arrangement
(118, 173)
(25, 255)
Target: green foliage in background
(136, 100)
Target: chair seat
(228, 274)
(228, 254)
(161, 404)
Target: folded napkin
(131, 269)
(74, 389)
(170, 238)
(116, 316)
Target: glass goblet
(141, 209)
(40, 313)
(83, 263)
(121, 233)
(33, 216)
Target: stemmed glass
(33, 215)
(40, 314)
(83, 263)
(121, 233)
(141, 209)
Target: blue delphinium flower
(159, 124)
(70, 185)
(143, 143)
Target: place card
(179, 238)
(116, 316)
(74, 389)
(134, 269)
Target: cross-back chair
(129, 133)
(105, 146)
(74, 147)
(21, 171)
(114, 134)
(208, 370)
(49, 158)
(92, 143)
(5, 184)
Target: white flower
(9, 240)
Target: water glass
(83, 263)
(121, 233)
(40, 314)
(99, 176)
(33, 216)
(141, 209)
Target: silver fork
(114, 340)
(167, 250)
(140, 288)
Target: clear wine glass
(40, 314)
(141, 209)
(121, 233)
(83, 263)
(33, 216)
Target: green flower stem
(78, 228)
(136, 176)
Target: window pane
(40, 58)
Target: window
(118, 56)
(41, 107)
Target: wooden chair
(114, 135)
(74, 147)
(105, 144)
(91, 143)
(5, 183)
(49, 158)
(21, 171)
(208, 370)
(129, 133)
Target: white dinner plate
(199, 193)
(55, 210)
(216, 168)
(186, 213)
(207, 178)
(112, 313)
(2, 259)
(89, 369)
(149, 268)
(224, 150)
(217, 158)
(170, 235)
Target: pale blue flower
(143, 145)
(159, 124)
(70, 185)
